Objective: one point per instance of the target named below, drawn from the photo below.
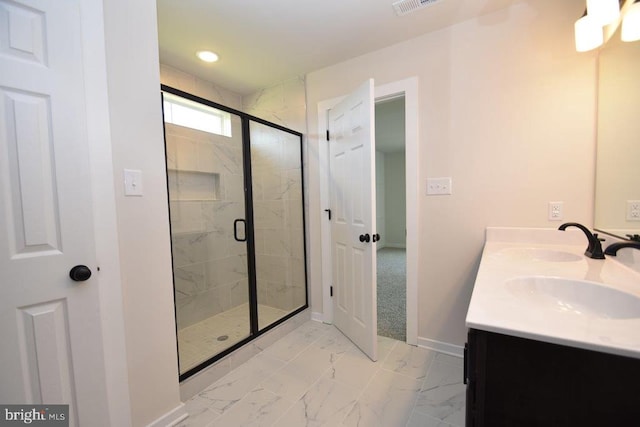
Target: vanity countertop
(515, 256)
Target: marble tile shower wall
(277, 193)
(278, 223)
(284, 103)
(206, 194)
(186, 82)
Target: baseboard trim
(172, 418)
(395, 245)
(441, 347)
(317, 316)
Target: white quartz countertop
(520, 253)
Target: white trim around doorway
(409, 88)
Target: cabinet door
(520, 382)
(475, 356)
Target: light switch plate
(132, 182)
(439, 186)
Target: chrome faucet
(613, 248)
(594, 250)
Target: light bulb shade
(603, 11)
(588, 34)
(207, 56)
(631, 24)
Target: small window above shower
(183, 112)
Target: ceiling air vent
(403, 7)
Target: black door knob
(80, 273)
(365, 238)
(376, 237)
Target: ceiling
(262, 43)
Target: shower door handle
(235, 230)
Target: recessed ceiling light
(207, 56)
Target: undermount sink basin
(541, 254)
(577, 297)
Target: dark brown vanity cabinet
(517, 382)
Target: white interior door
(352, 188)
(51, 349)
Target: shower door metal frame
(255, 330)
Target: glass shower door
(276, 176)
(205, 172)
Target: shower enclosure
(237, 226)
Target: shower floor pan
(205, 339)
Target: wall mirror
(617, 201)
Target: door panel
(34, 217)
(339, 171)
(359, 287)
(52, 349)
(359, 207)
(340, 261)
(44, 341)
(352, 182)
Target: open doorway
(407, 88)
(391, 217)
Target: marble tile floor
(199, 342)
(314, 376)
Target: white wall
(507, 109)
(143, 223)
(395, 199)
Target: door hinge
(331, 291)
(328, 211)
(328, 138)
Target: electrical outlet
(633, 210)
(555, 211)
(438, 186)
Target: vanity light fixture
(207, 56)
(588, 33)
(604, 11)
(631, 23)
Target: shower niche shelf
(193, 186)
